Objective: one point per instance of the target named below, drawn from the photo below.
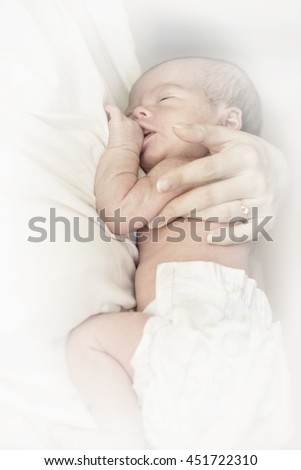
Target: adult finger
(228, 162)
(253, 230)
(207, 196)
(229, 210)
(215, 138)
(236, 234)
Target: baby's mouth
(147, 135)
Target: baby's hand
(125, 133)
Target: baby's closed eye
(165, 98)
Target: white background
(264, 38)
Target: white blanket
(60, 60)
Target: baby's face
(164, 96)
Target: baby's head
(190, 90)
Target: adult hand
(241, 172)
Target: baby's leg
(99, 354)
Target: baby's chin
(145, 167)
(148, 162)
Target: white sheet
(60, 60)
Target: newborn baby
(178, 91)
(195, 348)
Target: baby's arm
(117, 186)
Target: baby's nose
(141, 112)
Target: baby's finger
(113, 112)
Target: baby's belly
(183, 240)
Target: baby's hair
(227, 83)
(224, 82)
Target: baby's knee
(85, 336)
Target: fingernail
(163, 185)
(181, 125)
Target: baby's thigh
(114, 334)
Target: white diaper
(210, 370)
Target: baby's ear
(231, 117)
